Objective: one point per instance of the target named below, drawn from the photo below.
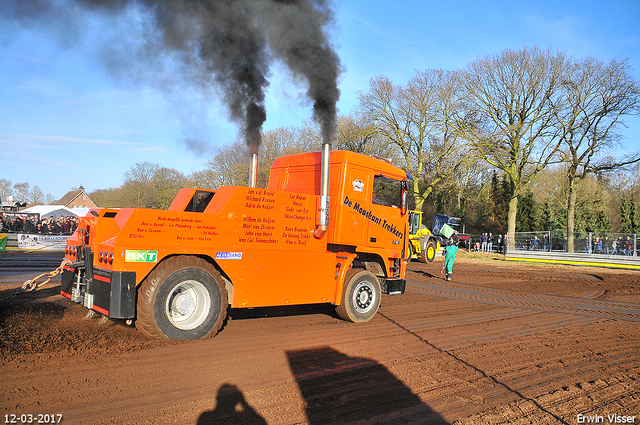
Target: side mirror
(405, 202)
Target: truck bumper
(394, 286)
(110, 293)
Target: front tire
(360, 296)
(431, 251)
(183, 298)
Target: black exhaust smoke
(222, 45)
(297, 36)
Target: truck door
(386, 228)
(354, 207)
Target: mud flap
(67, 281)
(113, 293)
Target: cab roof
(342, 157)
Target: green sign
(139, 256)
(3, 242)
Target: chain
(33, 284)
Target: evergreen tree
(527, 218)
(579, 221)
(634, 218)
(548, 219)
(625, 216)
(603, 222)
(501, 190)
(590, 221)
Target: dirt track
(502, 343)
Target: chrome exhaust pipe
(253, 165)
(323, 210)
(253, 170)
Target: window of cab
(199, 201)
(388, 192)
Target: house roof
(70, 196)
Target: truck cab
(367, 197)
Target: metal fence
(601, 243)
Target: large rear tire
(360, 296)
(183, 298)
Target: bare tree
(5, 187)
(137, 189)
(230, 166)
(202, 179)
(166, 184)
(142, 172)
(355, 133)
(110, 198)
(283, 141)
(450, 161)
(415, 118)
(510, 101)
(21, 191)
(35, 195)
(598, 97)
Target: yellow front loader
(424, 244)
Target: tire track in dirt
(487, 374)
(593, 308)
(522, 384)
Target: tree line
(523, 140)
(519, 113)
(24, 192)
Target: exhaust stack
(323, 209)
(253, 170)
(253, 165)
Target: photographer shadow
(231, 408)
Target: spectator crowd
(613, 246)
(609, 245)
(486, 243)
(23, 223)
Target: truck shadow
(280, 311)
(231, 408)
(340, 389)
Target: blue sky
(66, 121)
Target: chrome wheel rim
(188, 305)
(363, 297)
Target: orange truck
(176, 272)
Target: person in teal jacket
(451, 250)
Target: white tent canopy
(54, 211)
(81, 211)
